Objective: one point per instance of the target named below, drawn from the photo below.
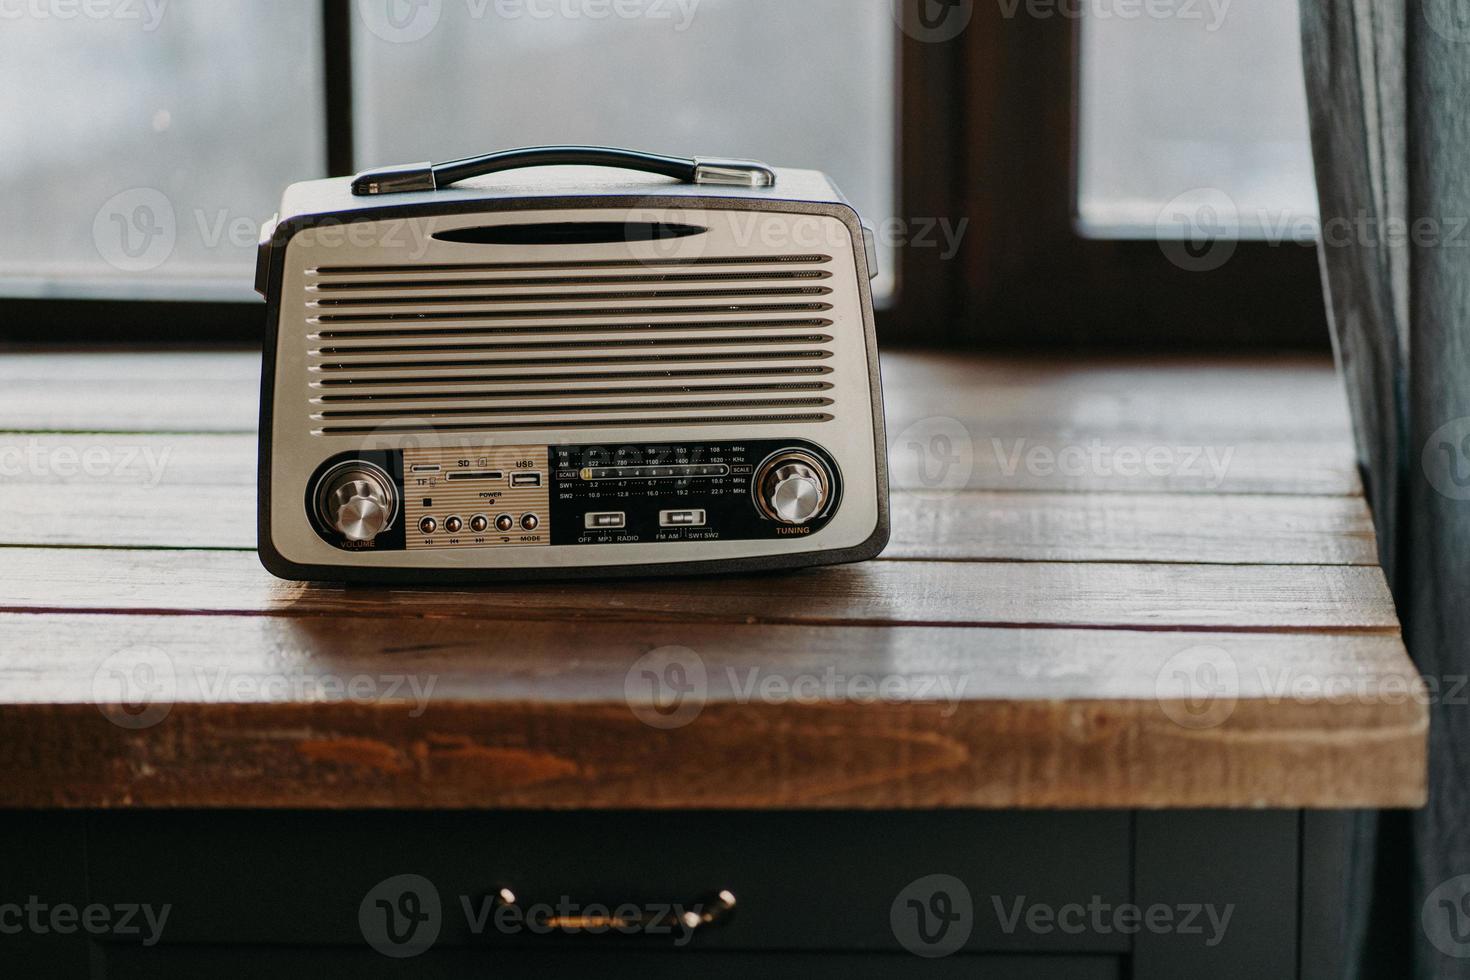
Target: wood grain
(130, 391)
(1202, 528)
(429, 715)
(1060, 565)
(198, 492)
(1163, 596)
(1288, 398)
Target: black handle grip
(433, 176)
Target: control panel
(536, 496)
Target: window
(144, 143)
(807, 84)
(167, 131)
(1017, 158)
(1176, 132)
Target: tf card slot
(474, 475)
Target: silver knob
(358, 500)
(793, 488)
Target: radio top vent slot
(569, 233)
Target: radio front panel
(575, 496)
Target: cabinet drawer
(803, 880)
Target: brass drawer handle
(712, 910)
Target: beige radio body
(567, 372)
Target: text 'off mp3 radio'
(568, 361)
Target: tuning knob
(357, 500)
(792, 487)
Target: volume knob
(793, 487)
(357, 500)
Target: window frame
(1000, 105)
(986, 134)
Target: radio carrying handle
(433, 176)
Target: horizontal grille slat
(790, 371)
(484, 346)
(537, 361)
(523, 281)
(551, 423)
(740, 308)
(673, 263)
(603, 391)
(638, 294)
(561, 410)
(530, 328)
(601, 343)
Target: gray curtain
(1388, 84)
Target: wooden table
(1130, 632)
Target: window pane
(1193, 123)
(145, 142)
(809, 84)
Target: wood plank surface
(1033, 463)
(777, 716)
(193, 492)
(1282, 397)
(1159, 596)
(1098, 568)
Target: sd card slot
(474, 475)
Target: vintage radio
(568, 361)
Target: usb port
(681, 518)
(605, 521)
(525, 479)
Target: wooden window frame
(986, 135)
(989, 134)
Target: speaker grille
(711, 340)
